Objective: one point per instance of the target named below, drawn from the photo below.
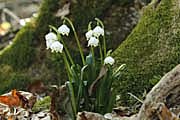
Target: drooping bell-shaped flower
(64, 30)
(97, 31)
(49, 43)
(89, 34)
(93, 42)
(56, 47)
(50, 38)
(109, 60)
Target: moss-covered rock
(152, 49)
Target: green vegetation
(152, 49)
(20, 53)
(27, 57)
(43, 104)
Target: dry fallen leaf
(15, 99)
(164, 113)
(24, 103)
(65, 10)
(93, 86)
(11, 100)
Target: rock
(89, 116)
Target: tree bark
(166, 91)
(163, 97)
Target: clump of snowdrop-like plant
(89, 83)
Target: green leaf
(80, 90)
(43, 104)
(116, 73)
(82, 71)
(111, 101)
(89, 59)
(108, 53)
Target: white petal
(51, 36)
(64, 30)
(89, 34)
(56, 47)
(109, 60)
(93, 42)
(97, 31)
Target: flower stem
(67, 51)
(73, 101)
(93, 56)
(101, 54)
(77, 40)
(104, 44)
(104, 40)
(89, 26)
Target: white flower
(109, 60)
(89, 34)
(97, 31)
(50, 38)
(56, 47)
(64, 30)
(49, 43)
(93, 42)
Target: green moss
(85, 11)
(152, 48)
(20, 53)
(43, 104)
(11, 80)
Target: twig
(11, 14)
(135, 97)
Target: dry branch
(167, 91)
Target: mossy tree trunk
(152, 49)
(27, 59)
